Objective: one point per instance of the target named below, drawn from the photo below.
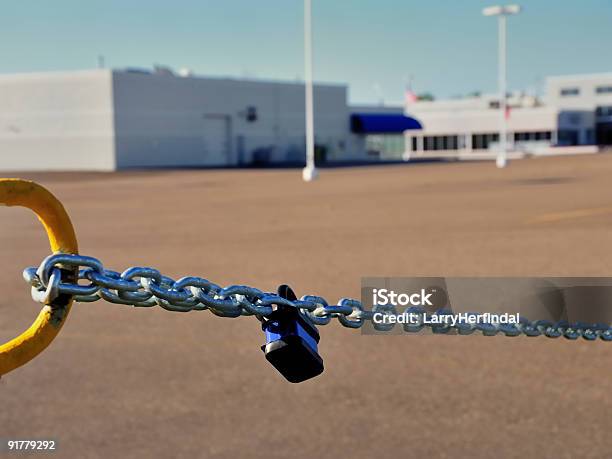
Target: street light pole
(309, 173)
(503, 124)
(502, 12)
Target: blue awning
(382, 123)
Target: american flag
(410, 97)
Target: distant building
(589, 94)
(116, 119)
(576, 112)
(388, 144)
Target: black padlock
(292, 341)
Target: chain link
(147, 287)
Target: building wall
(577, 110)
(166, 120)
(486, 120)
(105, 120)
(591, 96)
(581, 92)
(56, 121)
(387, 109)
(466, 126)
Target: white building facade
(575, 113)
(590, 95)
(109, 119)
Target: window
(604, 111)
(565, 92)
(251, 114)
(590, 136)
(440, 142)
(603, 90)
(531, 136)
(483, 141)
(414, 144)
(568, 137)
(520, 136)
(385, 146)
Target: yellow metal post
(23, 348)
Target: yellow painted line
(23, 348)
(571, 215)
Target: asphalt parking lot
(141, 383)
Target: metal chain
(147, 287)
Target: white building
(111, 119)
(589, 94)
(576, 111)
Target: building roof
(583, 76)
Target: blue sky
(447, 46)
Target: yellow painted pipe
(51, 212)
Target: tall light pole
(502, 12)
(310, 171)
